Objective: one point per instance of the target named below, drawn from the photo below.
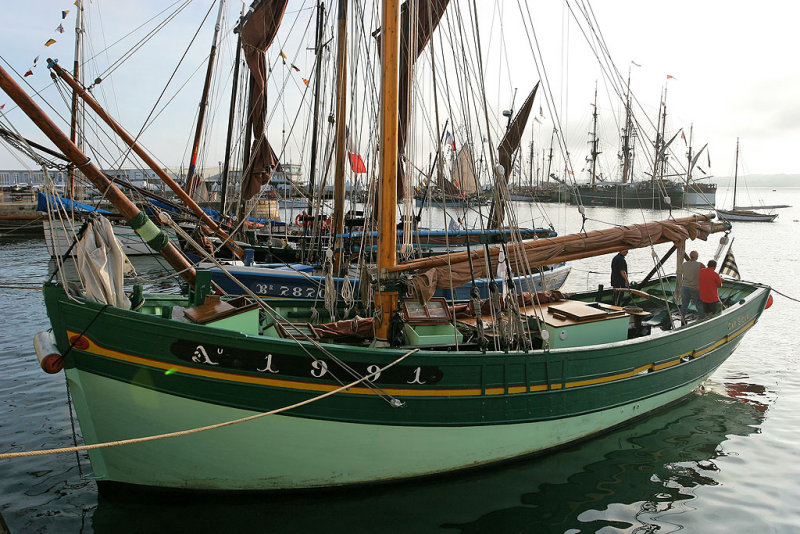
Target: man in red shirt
(708, 284)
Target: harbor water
(726, 459)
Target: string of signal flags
(59, 30)
(51, 41)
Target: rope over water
(784, 295)
(36, 288)
(45, 452)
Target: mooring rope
(36, 288)
(44, 452)
(784, 295)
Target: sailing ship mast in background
(414, 37)
(658, 144)
(593, 152)
(258, 31)
(745, 213)
(231, 117)
(74, 190)
(628, 137)
(192, 179)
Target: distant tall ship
(700, 194)
(696, 192)
(656, 193)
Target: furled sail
(456, 269)
(428, 14)
(513, 137)
(258, 30)
(463, 174)
(509, 145)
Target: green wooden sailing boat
(421, 387)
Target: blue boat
(432, 242)
(305, 281)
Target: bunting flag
(78, 3)
(708, 155)
(357, 164)
(634, 63)
(297, 69)
(284, 57)
(35, 61)
(64, 14)
(60, 28)
(29, 73)
(670, 76)
(701, 170)
(729, 267)
(450, 141)
(684, 138)
(50, 42)
(537, 120)
(2, 106)
(305, 81)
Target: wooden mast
(314, 131)
(73, 123)
(531, 177)
(594, 151)
(341, 119)
(191, 178)
(149, 161)
(387, 200)
(736, 174)
(136, 218)
(231, 117)
(315, 118)
(659, 140)
(626, 136)
(663, 151)
(689, 157)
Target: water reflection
(647, 471)
(631, 480)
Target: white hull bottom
(691, 198)
(746, 217)
(282, 452)
(59, 238)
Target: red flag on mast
(357, 164)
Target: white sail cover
(102, 264)
(463, 175)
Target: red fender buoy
(50, 359)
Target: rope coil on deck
(44, 452)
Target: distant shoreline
(760, 180)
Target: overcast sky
(735, 74)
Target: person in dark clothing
(619, 275)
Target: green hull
(283, 452)
(143, 375)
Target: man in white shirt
(690, 289)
